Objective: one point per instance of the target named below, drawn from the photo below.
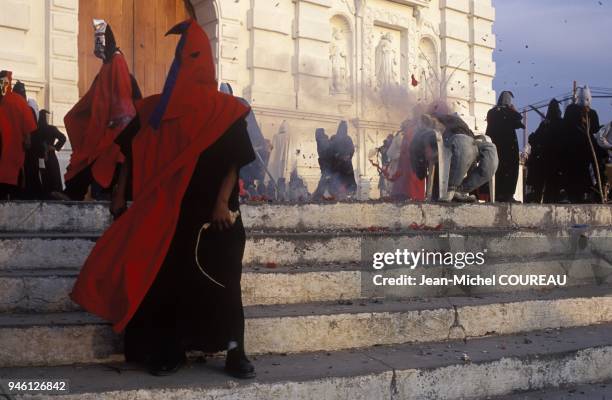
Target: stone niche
(341, 83)
(428, 75)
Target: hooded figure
(502, 122)
(51, 141)
(32, 185)
(283, 158)
(342, 150)
(407, 185)
(579, 168)
(98, 117)
(34, 157)
(543, 165)
(253, 174)
(325, 163)
(168, 270)
(16, 125)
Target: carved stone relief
(386, 62)
(340, 51)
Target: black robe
(342, 150)
(325, 159)
(544, 163)
(502, 123)
(32, 185)
(578, 171)
(184, 310)
(51, 175)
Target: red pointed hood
(192, 71)
(177, 126)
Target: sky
(544, 45)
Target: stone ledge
(48, 291)
(286, 248)
(408, 372)
(79, 338)
(88, 217)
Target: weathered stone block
(64, 22)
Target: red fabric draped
(16, 120)
(125, 261)
(107, 102)
(408, 185)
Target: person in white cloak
(283, 157)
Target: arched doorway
(139, 27)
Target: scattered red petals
(423, 227)
(377, 229)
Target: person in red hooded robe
(168, 270)
(17, 123)
(97, 118)
(407, 185)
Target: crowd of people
(566, 162)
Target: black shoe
(165, 366)
(238, 365)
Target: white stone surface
(281, 56)
(68, 338)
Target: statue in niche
(339, 62)
(385, 62)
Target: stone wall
(312, 63)
(39, 44)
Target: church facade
(311, 63)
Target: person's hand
(221, 216)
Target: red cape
(408, 184)
(87, 124)
(125, 261)
(16, 120)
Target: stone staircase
(313, 331)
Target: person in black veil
(580, 170)
(325, 163)
(544, 163)
(51, 141)
(502, 122)
(342, 149)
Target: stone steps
(66, 250)
(303, 288)
(89, 217)
(76, 337)
(593, 391)
(451, 370)
(47, 290)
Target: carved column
(62, 64)
(456, 59)
(482, 73)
